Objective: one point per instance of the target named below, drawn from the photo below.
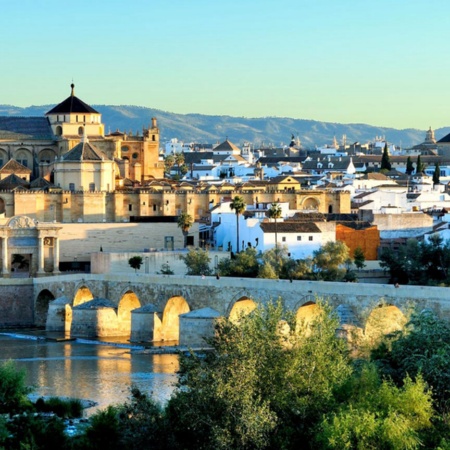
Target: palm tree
(185, 222)
(275, 213)
(179, 161)
(238, 206)
(169, 161)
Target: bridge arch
(241, 307)
(41, 307)
(82, 295)
(382, 320)
(170, 329)
(127, 303)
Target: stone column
(5, 268)
(55, 255)
(40, 256)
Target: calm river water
(91, 371)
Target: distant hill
(210, 129)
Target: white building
(258, 231)
(175, 146)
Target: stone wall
(16, 303)
(106, 262)
(80, 240)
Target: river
(89, 370)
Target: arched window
(58, 131)
(80, 131)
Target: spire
(73, 90)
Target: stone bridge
(173, 308)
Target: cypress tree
(419, 166)
(385, 160)
(409, 166)
(436, 174)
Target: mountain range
(263, 131)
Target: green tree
(358, 258)
(197, 262)
(278, 259)
(263, 385)
(141, 423)
(275, 213)
(184, 169)
(420, 167)
(378, 415)
(13, 390)
(185, 222)
(421, 348)
(385, 159)
(267, 271)
(409, 166)
(179, 161)
(243, 264)
(238, 206)
(135, 263)
(169, 162)
(436, 174)
(329, 259)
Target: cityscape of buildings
(84, 191)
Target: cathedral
(68, 149)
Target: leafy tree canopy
(197, 262)
(135, 262)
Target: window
(299, 238)
(124, 148)
(72, 187)
(92, 187)
(154, 207)
(310, 238)
(80, 131)
(283, 239)
(168, 242)
(135, 155)
(130, 207)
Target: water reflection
(90, 371)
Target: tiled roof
(40, 183)
(12, 166)
(308, 217)
(71, 105)
(84, 151)
(290, 227)
(278, 159)
(374, 176)
(12, 181)
(444, 140)
(226, 146)
(17, 128)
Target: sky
(383, 62)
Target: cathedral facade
(41, 143)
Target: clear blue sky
(381, 62)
